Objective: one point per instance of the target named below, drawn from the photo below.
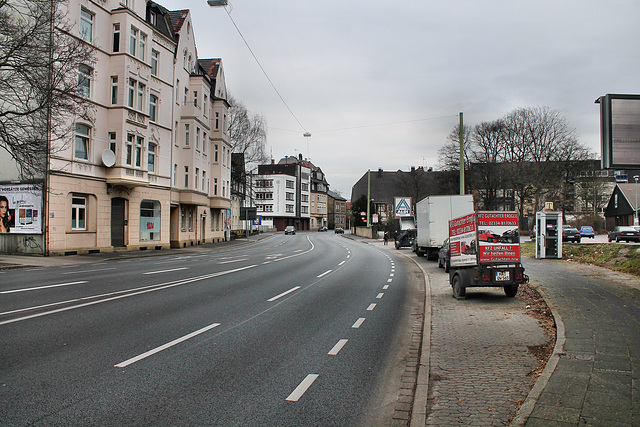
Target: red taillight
(518, 275)
(486, 276)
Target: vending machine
(548, 234)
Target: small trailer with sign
(485, 252)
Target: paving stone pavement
(479, 361)
(596, 381)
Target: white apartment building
(282, 195)
(153, 169)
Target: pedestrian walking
(386, 237)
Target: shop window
(149, 220)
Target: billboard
(21, 208)
(620, 130)
(402, 206)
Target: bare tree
(248, 133)
(449, 154)
(39, 81)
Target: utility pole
(368, 197)
(461, 155)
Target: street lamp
(635, 219)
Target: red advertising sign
(500, 253)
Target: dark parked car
(624, 233)
(405, 238)
(510, 236)
(571, 234)
(339, 230)
(587, 231)
(444, 256)
(289, 229)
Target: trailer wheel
(459, 291)
(511, 290)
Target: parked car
(289, 229)
(571, 234)
(322, 229)
(628, 234)
(405, 238)
(444, 256)
(587, 231)
(339, 230)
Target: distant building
(622, 205)
(336, 210)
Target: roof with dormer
(177, 18)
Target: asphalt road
(292, 330)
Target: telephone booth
(548, 234)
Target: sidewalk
(25, 261)
(595, 378)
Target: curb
(532, 398)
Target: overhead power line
(264, 71)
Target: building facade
(152, 170)
(282, 195)
(337, 210)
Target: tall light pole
(635, 212)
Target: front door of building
(117, 222)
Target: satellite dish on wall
(108, 158)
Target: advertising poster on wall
(498, 237)
(21, 208)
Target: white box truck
(432, 219)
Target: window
(186, 177)
(204, 143)
(215, 186)
(132, 92)
(289, 208)
(86, 25)
(186, 135)
(154, 62)
(204, 176)
(151, 159)
(143, 46)
(215, 153)
(290, 184)
(83, 134)
(175, 175)
(141, 89)
(177, 91)
(137, 43)
(114, 90)
(78, 213)
(268, 196)
(129, 149)
(182, 219)
(133, 42)
(195, 98)
(195, 182)
(153, 108)
(112, 141)
(116, 37)
(204, 106)
(289, 196)
(153, 18)
(186, 95)
(217, 121)
(139, 143)
(190, 219)
(149, 220)
(84, 81)
(197, 138)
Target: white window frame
(114, 90)
(85, 75)
(152, 153)
(86, 25)
(155, 56)
(153, 108)
(78, 211)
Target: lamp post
(635, 212)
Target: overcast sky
(380, 84)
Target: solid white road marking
(380, 295)
(43, 287)
(166, 271)
(234, 260)
(325, 273)
(358, 323)
(283, 294)
(165, 346)
(302, 388)
(371, 307)
(336, 348)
